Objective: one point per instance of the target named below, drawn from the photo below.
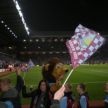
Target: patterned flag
(30, 64)
(83, 44)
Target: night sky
(65, 15)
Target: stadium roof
(54, 15)
(49, 18)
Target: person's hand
(59, 94)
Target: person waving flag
(82, 46)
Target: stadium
(33, 32)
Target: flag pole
(68, 77)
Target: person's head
(106, 87)
(43, 86)
(5, 84)
(81, 88)
(68, 88)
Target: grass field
(94, 76)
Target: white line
(95, 82)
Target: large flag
(83, 44)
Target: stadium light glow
(57, 52)
(8, 28)
(98, 33)
(5, 25)
(31, 40)
(37, 40)
(62, 40)
(50, 52)
(24, 40)
(43, 52)
(2, 22)
(43, 40)
(10, 47)
(55, 40)
(25, 47)
(21, 16)
(38, 47)
(64, 52)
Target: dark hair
(47, 96)
(47, 86)
(82, 86)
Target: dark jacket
(35, 94)
(55, 104)
(19, 84)
(70, 99)
(13, 94)
(3, 105)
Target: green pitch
(94, 76)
